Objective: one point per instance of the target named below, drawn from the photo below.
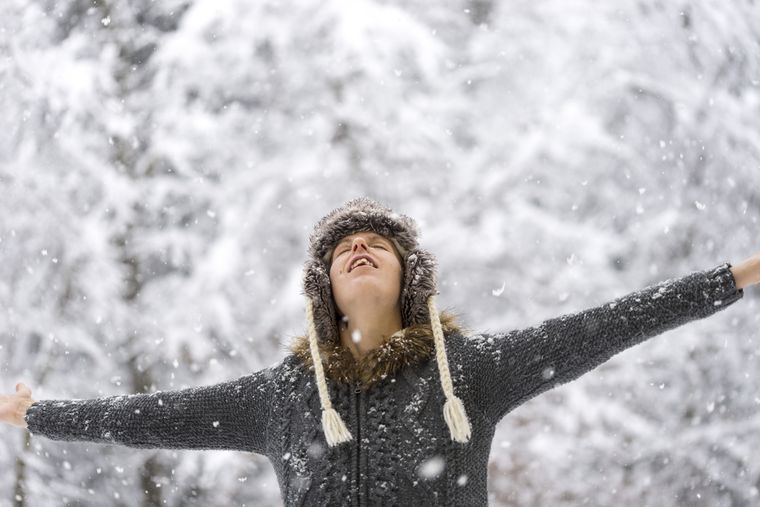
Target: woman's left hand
(747, 272)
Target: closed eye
(344, 250)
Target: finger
(23, 390)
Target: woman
(359, 413)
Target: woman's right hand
(13, 408)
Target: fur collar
(407, 347)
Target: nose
(357, 243)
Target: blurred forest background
(162, 163)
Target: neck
(371, 329)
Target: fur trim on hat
(408, 347)
(361, 214)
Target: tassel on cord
(453, 410)
(332, 424)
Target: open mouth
(361, 262)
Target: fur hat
(418, 293)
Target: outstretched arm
(511, 368)
(229, 415)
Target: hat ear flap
(317, 287)
(420, 282)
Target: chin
(372, 294)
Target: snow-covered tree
(162, 163)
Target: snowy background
(162, 163)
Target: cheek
(335, 274)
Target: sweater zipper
(357, 390)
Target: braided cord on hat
(332, 424)
(453, 410)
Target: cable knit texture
(402, 453)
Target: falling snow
(162, 165)
(432, 467)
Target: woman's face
(375, 283)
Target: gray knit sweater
(402, 453)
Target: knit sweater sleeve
(229, 415)
(511, 368)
